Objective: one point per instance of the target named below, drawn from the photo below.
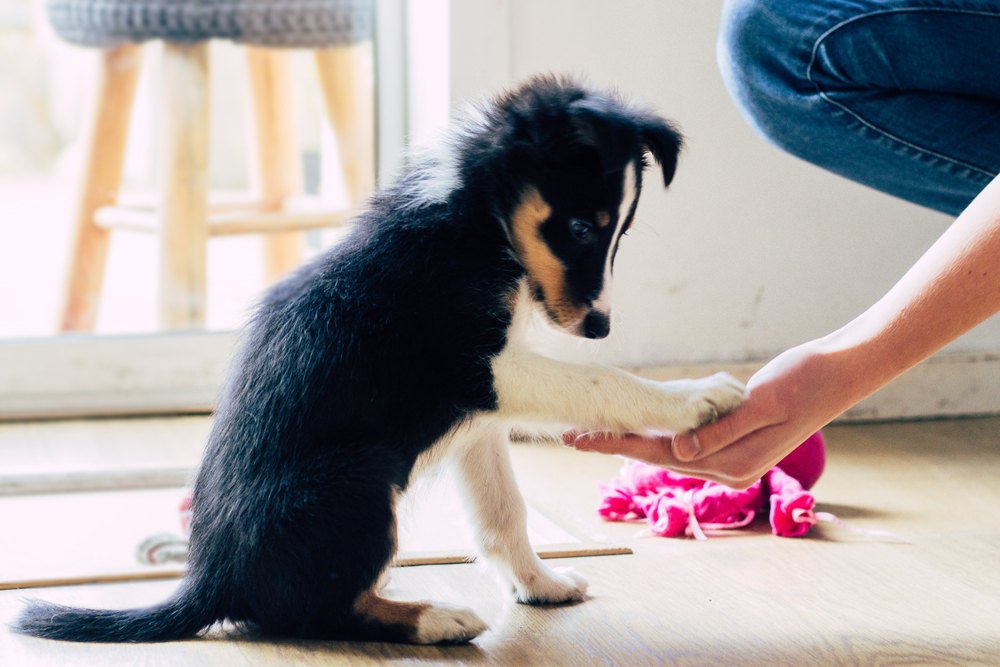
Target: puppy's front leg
(500, 520)
(534, 388)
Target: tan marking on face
(603, 219)
(545, 271)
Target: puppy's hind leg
(375, 618)
(317, 571)
(379, 619)
(500, 520)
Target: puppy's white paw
(448, 624)
(711, 397)
(551, 587)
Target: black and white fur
(402, 345)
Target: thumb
(710, 438)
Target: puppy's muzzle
(596, 325)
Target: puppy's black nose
(596, 325)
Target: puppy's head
(577, 158)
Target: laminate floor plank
(748, 598)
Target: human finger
(651, 449)
(745, 460)
(711, 438)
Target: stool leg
(102, 174)
(277, 169)
(346, 75)
(184, 186)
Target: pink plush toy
(807, 461)
(674, 504)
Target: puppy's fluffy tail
(182, 616)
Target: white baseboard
(78, 376)
(951, 384)
(181, 373)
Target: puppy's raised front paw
(448, 624)
(712, 397)
(551, 587)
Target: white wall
(751, 251)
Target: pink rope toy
(675, 505)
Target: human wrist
(865, 356)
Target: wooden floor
(834, 598)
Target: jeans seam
(824, 96)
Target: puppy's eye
(581, 228)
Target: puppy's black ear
(611, 128)
(664, 141)
(598, 122)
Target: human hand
(788, 399)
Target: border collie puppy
(399, 347)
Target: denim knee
(763, 57)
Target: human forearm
(952, 288)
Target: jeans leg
(901, 95)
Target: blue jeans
(901, 95)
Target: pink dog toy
(674, 504)
(807, 461)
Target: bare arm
(952, 288)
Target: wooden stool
(339, 31)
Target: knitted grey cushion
(288, 23)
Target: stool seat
(276, 23)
